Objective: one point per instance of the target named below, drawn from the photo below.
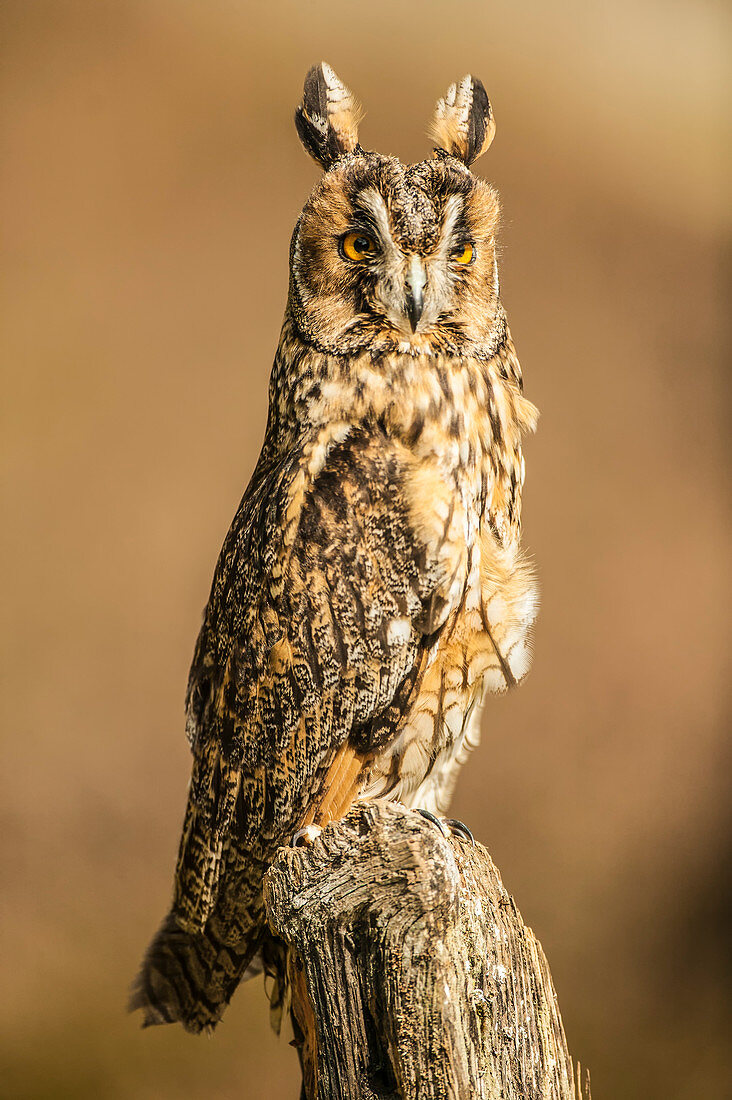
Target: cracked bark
(413, 976)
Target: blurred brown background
(151, 178)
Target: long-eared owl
(371, 588)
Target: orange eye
(357, 246)
(464, 254)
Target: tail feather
(189, 977)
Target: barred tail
(190, 977)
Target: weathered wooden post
(413, 975)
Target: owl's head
(390, 256)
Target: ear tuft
(463, 124)
(327, 120)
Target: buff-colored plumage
(371, 588)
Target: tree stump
(412, 974)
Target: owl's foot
(303, 838)
(431, 817)
(449, 826)
(459, 828)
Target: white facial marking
(372, 201)
(453, 206)
(417, 276)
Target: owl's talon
(435, 820)
(304, 838)
(459, 828)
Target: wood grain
(420, 979)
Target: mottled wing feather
(333, 585)
(294, 664)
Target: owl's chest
(482, 648)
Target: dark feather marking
(507, 674)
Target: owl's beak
(415, 280)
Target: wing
(341, 569)
(329, 594)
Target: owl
(371, 589)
